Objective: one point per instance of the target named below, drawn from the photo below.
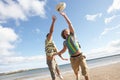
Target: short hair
(62, 34)
(47, 35)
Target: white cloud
(93, 17)
(21, 59)
(33, 7)
(112, 48)
(21, 63)
(11, 9)
(106, 30)
(115, 43)
(21, 9)
(114, 7)
(7, 39)
(108, 20)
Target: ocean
(44, 72)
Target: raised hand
(54, 18)
(63, 13)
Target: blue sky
(25, 23)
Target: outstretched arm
(68, 21)
(61, 52)
(62, 57)
(51, 28)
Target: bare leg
(76, 73)
(58, 72)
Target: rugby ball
(61, 6)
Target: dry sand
(108, 72)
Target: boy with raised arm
(76, 57)
(51, 49)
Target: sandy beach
(107, 72)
